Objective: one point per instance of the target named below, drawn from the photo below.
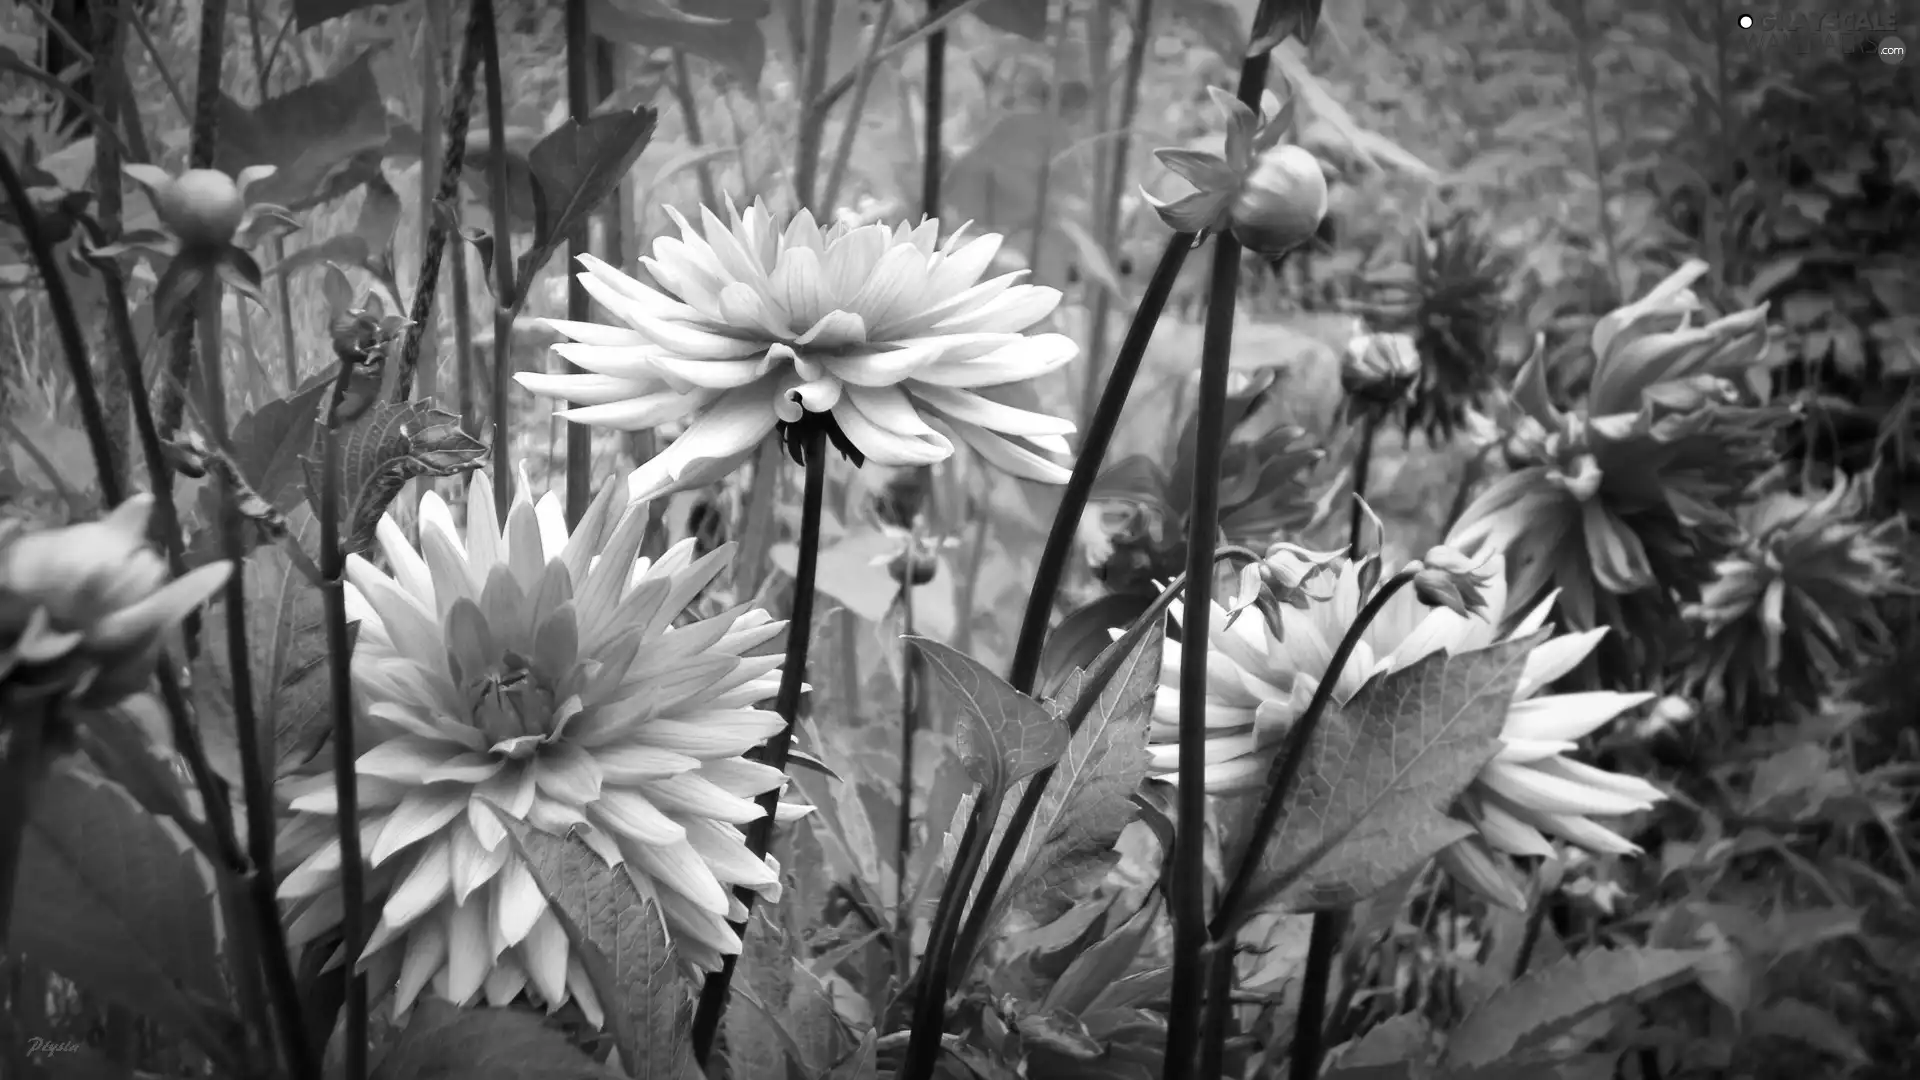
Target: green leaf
(1007, 736)
(523, 192)
(1548, 1001)
(1090, 798)
(117, 901)
(1095, 971)
(622, 942)
(1399, 1049)
(575, 168)
(1380, 774)
(1022, 17)
(287, 639)
(366, 246)
(323, 138)
(447, 1043)
(269, 443)
(864, 1062)
(390, 445)
(1082, 636)
(791, 1018)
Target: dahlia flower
(540, 674)
(870, 331)
(83, 608)
(1259, 683)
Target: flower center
(514, 706)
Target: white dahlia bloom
(1259, 684)
(551, 677)
(874, 331)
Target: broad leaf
(790, 1017)
(1006, 736)
(117, 901)
(447, 1043)
(269, 443)
(523, 195)
(324, 138)
(1399, 1049)
(287, 637)
(1094, 971)
(863, 1063)
(575, 168)
(389, 446)
(367, 246)
(1082, 635)
(622, 941)
(1546, 1002)
(726, 32)
(1380, 774)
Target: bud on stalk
(1281, 202)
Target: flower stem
(1285, 771)
(793, 674)
(1059, 545)
(813, 117)
(503, 303)
(933, 120)
(1362, 465)
(850, 129)
(930, 1011)
(1309, 1026)
(1107, 224)
(1213, 1043)
(345, 779)
(682, 87)
(580, 105)
(459, 115)
(67, 323)
(909, 729)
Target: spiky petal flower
(83, 608)
(872, 331)
(548, 676)
(1259, 684)
(1795, 608)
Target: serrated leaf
(1548, 1001)
(622, 942)
(575, 167)
(1006, 736)
(118, 902)
(1095, 971)
(447, 1043)
(1399, 1049)
(793, 1019)
(1082, 636)
(1380, 774)
(324, 138)
(390, 445)
(269, 443)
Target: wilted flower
(1795, 608)
(539, 674)
(1447, 294)
(1270, 196)
(1628, 500)
(870, 331)
(1259, 683)
(1450, 580)
(83, 608)
(1379, 369)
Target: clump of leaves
(1793, 609)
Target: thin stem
(793, 673)
(1293, 754)
(67, 323)
(1108, 221)
(1059, 547)
(1213, 1046)
(813, 118)
(345, 778)
(459, 115)
(580, 104)
(690, 118)
(936, 21)
(1589, 90)
(20, 773)
(107, 44)
(932, 156)
(436, 31)
(1309, 1027)
(930, 1010)
(502, 374)
(1043, 186)
(277, 247)
(1362, 465)
(172, 84)
(909, 729)
(849, 130)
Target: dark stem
(200, 153)
(1469, 476)
(340, 681)
(447, 194)
(108, 33)
(909, 729)
(1213, 1043)
(67, 323)
(1309, 1027)
(1293, 754)
(930, 1010)
(1362, 465)
(580, 104)
(1108, 221)
(932, 158)
(502, 374)
(1530, 935)
(1059, 547)
(463, 359)
(793, 673)
(20, 774)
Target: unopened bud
(1379, 369)
(1281, 202)
(1471, 863)
(1451, 580)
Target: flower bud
(1281, 202)
(202, 207)
(82, 608)
(923, 564)
(1471, 863)
(1449, 579)
(1379, 369)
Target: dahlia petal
(567, 773)
(740, 777)
(426, 883)
(1631, 787)
(586, 538)
(641, 413)
(580, 988)
(1567, 716)
(1008, 457)
(690, 795)
(1553, 659)
(468, 958)
(504, 982)
(631, 816)
(1528, 751)
(883, 446)
(315, 873)
(424, 812)
(633, 366)
(1013, 310)
(447, 562)
(543, 955)
(626, 764)
(426, 955)
(1026, 358)
(472, 864)
(1572, 828)
(554, 817)
(589, 333)
(1218, 716)
(485, 825)
(516, 904)
(409, 569)
(894, 286)
(798, 282)
(1538, 790)
(525, 554)
(713, 735)
(405, 758)
(694, 927)
(970, 407)
(1507, 833)
(673, 689)
(960, 269)
(675, 867)
(724, 850)
(730, 425)
(511, 789)
(318, 795)
(483, 527)
(649, 303)
(413, 629)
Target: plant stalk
(690, 119)
(933, 123)
(850, 130)
(1213, 1044)
(1309, 1027)
(813, 116)
(793, 673)
(22, 769)
(580, 105)
(910, 695)
(502, 374)
(1362, 465)
(1107, 223)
